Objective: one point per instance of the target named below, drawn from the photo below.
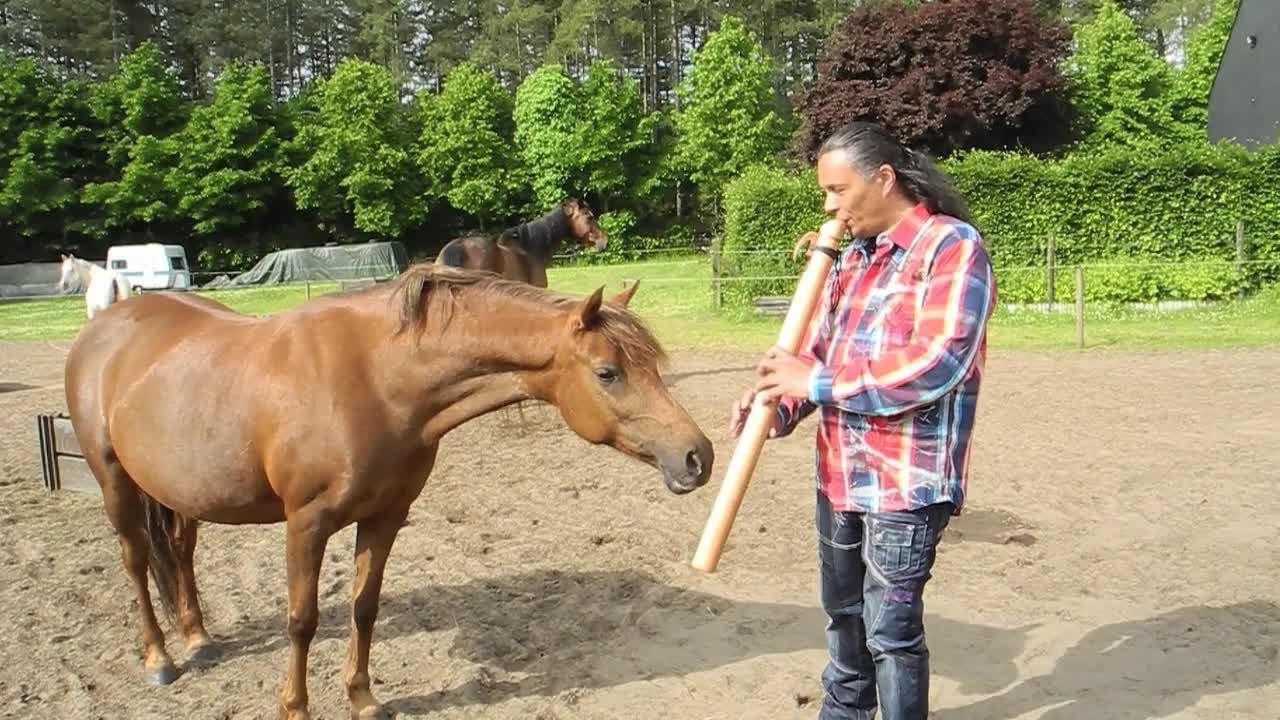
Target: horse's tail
(162, 557)
(453, 255)
(122, 287)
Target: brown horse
(524, 252)
(331, 414)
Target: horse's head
(69, 275)
(582, 225)
(607, 384)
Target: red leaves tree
(944, 76)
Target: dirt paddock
(1118, 560)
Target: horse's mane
(539, 237)
(425, 288)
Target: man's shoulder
(955, 240)
(954, 234)
(959, 228)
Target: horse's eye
(607, 374)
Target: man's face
(860, 202)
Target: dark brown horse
(524, 251)
(330, 414)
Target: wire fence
(707, 268)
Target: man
(893, 360)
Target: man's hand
(804, 246)
(783, 374)
(741, 409)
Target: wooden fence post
(1240, 258)
(1050, 271)
(715, 272)
(1080, 306)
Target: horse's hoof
(205, 654)
(163, 675)
(372, 712)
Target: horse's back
(511, 261)
(136, 333)
(453, 254)
(468, 252)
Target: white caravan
(151, 266)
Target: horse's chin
(681, 484)
(601, 244)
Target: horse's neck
(467, 370)
(85, 271)
(540, 237)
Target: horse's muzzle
(688, 470)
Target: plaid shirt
(898, 347)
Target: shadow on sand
(570, 630)
(1149, 668)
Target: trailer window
(119, 264)
(177, 263)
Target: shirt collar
(905, 230)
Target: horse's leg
(374, 538)
(537, 274)
(307, 535)
(190, 618)
(124, 509)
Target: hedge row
(1157, 226)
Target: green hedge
(1151, 227)
(765, 211)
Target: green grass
(675, 297)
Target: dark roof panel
(1244, 105)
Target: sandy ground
(1119, 560)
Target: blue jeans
(874, 567)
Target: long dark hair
(868, 146)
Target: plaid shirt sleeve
(956, 306)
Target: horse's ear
(623, 298)
(588, 312)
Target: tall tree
(385, 29)
(613, 131)
(513, 37)
(356, 171)
(48, 152)
(728, 117)
(967, 74)
(1180, 20)
(141, 107)
(466, 147)
(1122, 88)
(548, 115)
(1191, 88)
(230, 157)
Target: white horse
(102, 286)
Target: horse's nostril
(693, 463)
